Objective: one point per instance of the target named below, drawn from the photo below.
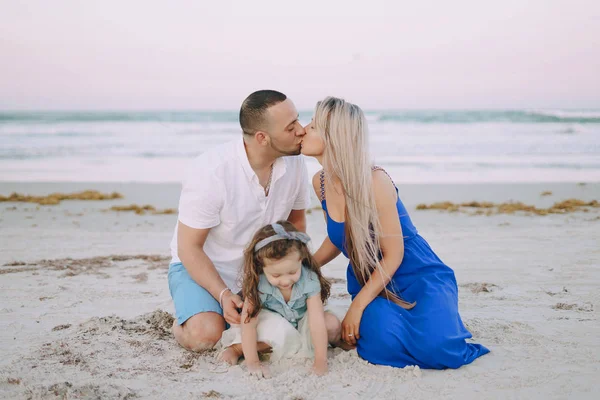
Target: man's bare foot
(232, 354)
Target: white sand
(98, 326)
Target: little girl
(283, 292)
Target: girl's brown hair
(254, 263)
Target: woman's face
(312, 143)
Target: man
(229, 193)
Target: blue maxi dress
(431, 335)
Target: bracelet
(221, 296)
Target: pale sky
(193, 54)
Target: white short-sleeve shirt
(222, 192)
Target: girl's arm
(249, 340)
(318, 332)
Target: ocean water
(414, 146)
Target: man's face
(285, 131)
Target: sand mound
(67, 390)
(101, 353)
(156, 324)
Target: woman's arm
(318, 332)
(392, 247)
(327, 251)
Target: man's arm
(302, 201)
(298, 218)
(190, 249)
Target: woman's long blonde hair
(343, 127)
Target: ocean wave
(172, 154)
(470, 117)
(146, 116)
(475, 165)
(373, 116)
(568, 114)
(50, 135)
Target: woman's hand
(351, 324)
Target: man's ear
(262, 138)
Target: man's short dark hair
(252, 112)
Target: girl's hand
(351, 325)
(319, 368)
(259, 370)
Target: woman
(404, 307)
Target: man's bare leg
(200, 332)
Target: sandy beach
(85, 310)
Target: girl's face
(283, 273)
(312, 143)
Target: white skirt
(276, 331)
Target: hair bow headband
(281, 234)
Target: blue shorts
(189, 297)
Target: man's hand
(232, 307)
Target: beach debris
(316, 208)
(15, 264)
(546, 193)
(587, 307)
(61, 327)
(142, 277)
(93, 265)
(56, 198)
(340, 296)
(487, 208)
(13, 381)
(561, 292)
(480, 287)
(141, 210)
(333, 281)
(212, 394)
